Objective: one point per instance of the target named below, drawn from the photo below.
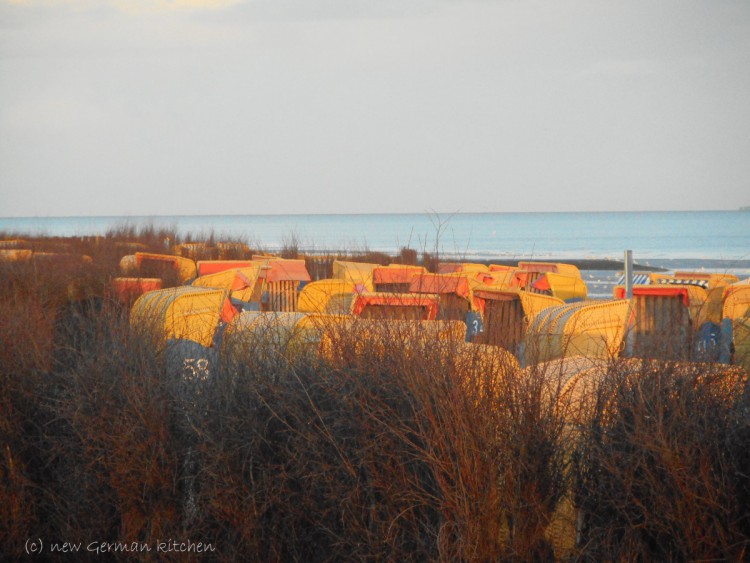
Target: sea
(717, 241)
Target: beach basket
(454, 292)
(462, 268)
(127, 290)
(396, 306)
(395, 278)
(163, 266)
(232, 250)
(11, 244)
(196, 251)
(506, 315)
(206, 267)
(593, 329)
(327, 296)
(358, 273)
(343, 338)
(244, 284)
(183, 313)
(282, 279)
(254, 336)
(665, 319)
(554, 267)
(736, 314)
(14, 254)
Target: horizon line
(430, 212)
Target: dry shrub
(394, 447)
(406, 256)
(290, 247)
(31, 294)
(67, 406)
(662, 469)
(99, 445)
(369, 458)
(159, 240)
(165, 271)
(25, 349)
(533, 435)
(392, 444)
(121, 407)
(430, 261)
(320, 265)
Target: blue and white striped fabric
(638, 279)
(674, 281)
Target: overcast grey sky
(158, 107)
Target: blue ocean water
(707, 240)
(652, 236)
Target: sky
(176, 107)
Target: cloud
(139, 7)
(284, 10)
(303, 10)
(52, 113)
(622, 68)
(135, 7)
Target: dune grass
(388, 447)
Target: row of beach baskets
(536, 311)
